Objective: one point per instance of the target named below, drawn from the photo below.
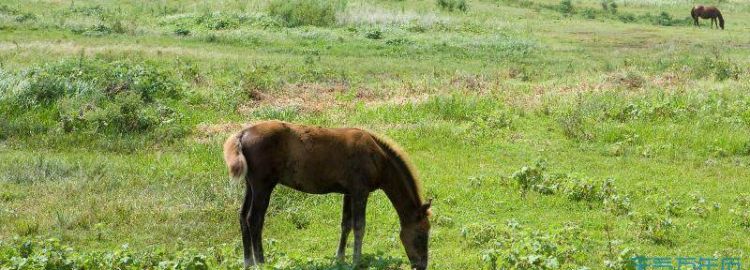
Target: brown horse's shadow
(378, 261)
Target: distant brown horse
(709, 12)
(321, 160)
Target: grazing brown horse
(709, 12)
(321, 160)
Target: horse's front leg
(359, 207)
(245, 227)
(261, 198)
(346, 227)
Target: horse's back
(313, 159)
(705, 10)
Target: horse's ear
(424, 210)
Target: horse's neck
(396, 186)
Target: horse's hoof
(249, 263)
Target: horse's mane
(402, 161)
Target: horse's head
(415, 235)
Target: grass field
(551, 136)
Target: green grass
(113, 114)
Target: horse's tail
(236, 162)
(692, 13)
(721, 19)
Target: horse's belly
(313, 186)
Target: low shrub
(566, 7)
(182, 31)
(306, 12)
(664, 19)
(451, 5)
(626, 18)
(24, 17)
(91, 96)
(217, 21)
(609, 6)
(374, 34)
(589, 13)
(724, 69)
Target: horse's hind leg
(346, 226)
(245, 226)
(261, 198)
(359, 207)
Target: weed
(618, 204)
(741, 217)
(743, 200)
(629, 79)
(289, 113)
(700, 205)
(742, 213)
(529, 177)
(399, 42)
(575, 189)
(258, 81)
(96, 10)
(574, 127)
(26, 227)
(520, 248)
(673, 208)
(617, 260)
(480, 234)
(581, 189)
(659, 229)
